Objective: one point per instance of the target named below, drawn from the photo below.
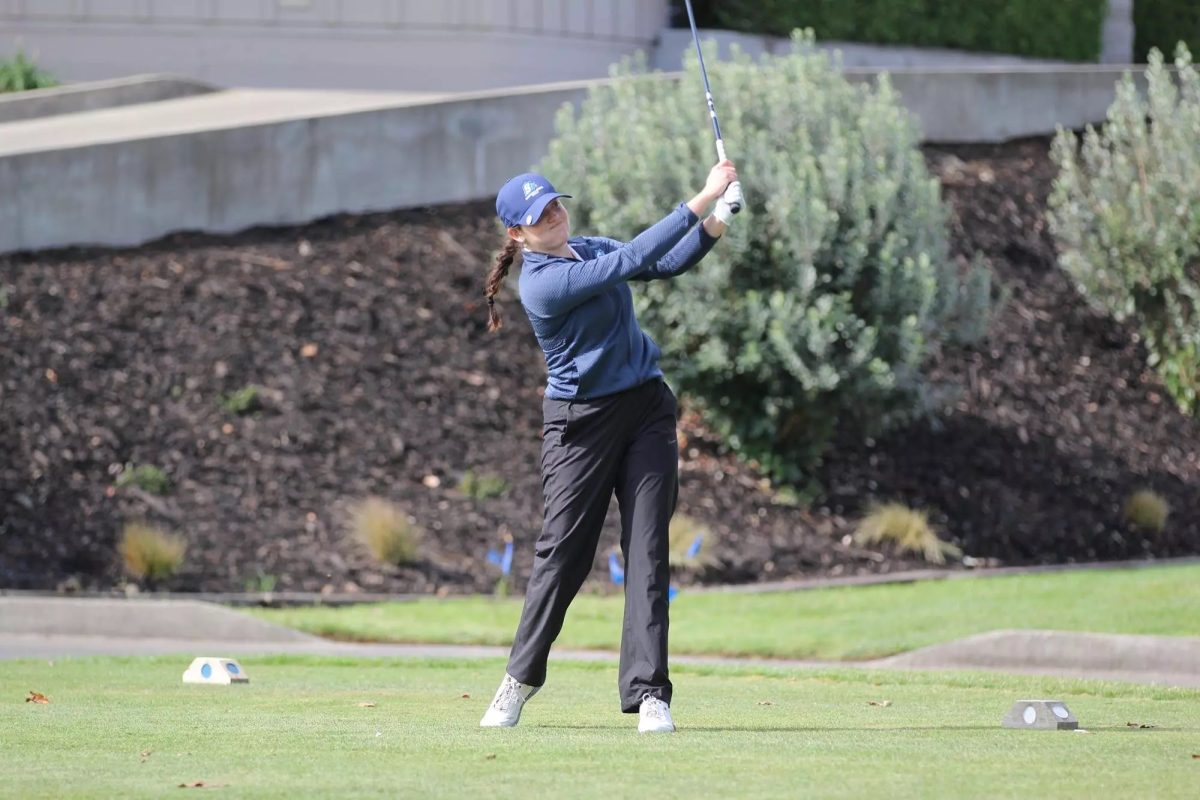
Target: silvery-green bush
(1126, 213)
(816, 312)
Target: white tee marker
(216, 671)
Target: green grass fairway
(128, 728)
(844, 623)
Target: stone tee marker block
(217, 671)
(1040, 715)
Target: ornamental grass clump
(832, 289)
(386, 531)
(149, 553)
(905, 529)
(1147, 511)
(1125, 211)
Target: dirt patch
(366, 336)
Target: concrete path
(221, 110)
(55, 628)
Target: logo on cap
(531, 190)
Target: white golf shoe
(505, 710)
(654, 716)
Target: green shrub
(1163, 23)
(387, 532)
(243, 401)
(1065, 29)
(906, 530)
(147, 477)
(149, 553)
(690, 542)
(262, 582)
(20, 74)
(820, 306)
(1126, 213)
(482, 487)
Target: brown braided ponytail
(504, 260)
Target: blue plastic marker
(506, 561)
(614, 570)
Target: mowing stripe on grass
(852, 623)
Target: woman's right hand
(719, 179)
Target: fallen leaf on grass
(880, 703)
(1138, 725)
(366, 705)
(37, 697)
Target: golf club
(733, 195)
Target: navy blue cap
(522, 200)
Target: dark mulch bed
(367, 335)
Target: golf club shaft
(733, 194)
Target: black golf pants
(624, 443)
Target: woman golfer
(609, 426)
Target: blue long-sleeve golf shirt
(582, 310)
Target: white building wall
(410, 45)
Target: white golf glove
(723, 212)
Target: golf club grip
(733, 192)
(734, 197)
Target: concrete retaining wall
(376, 45)
(99, 94)
(995, 105)
(224, 180)
(308, 166)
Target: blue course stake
(614, 570)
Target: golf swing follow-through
(609, 424)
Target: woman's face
(549, 234)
